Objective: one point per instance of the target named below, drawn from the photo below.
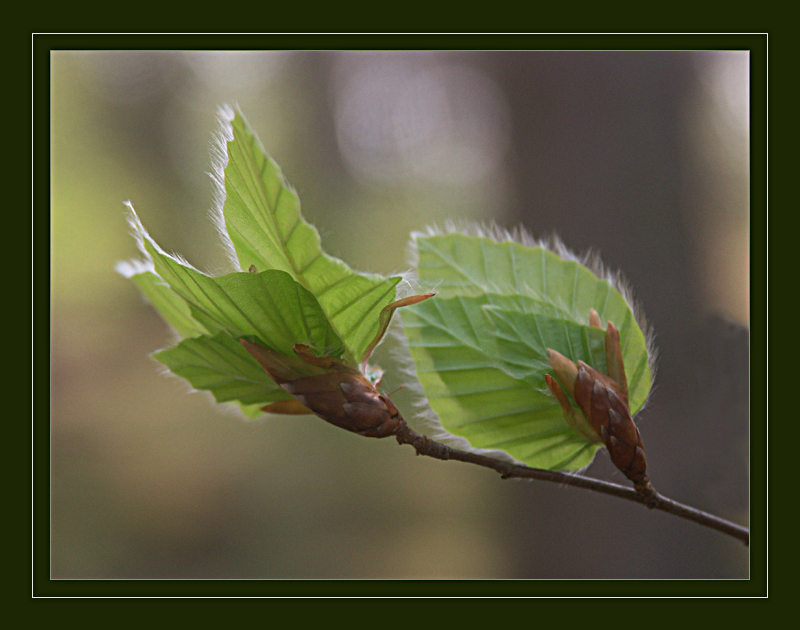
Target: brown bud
(330, 389)
(575, 420)
(565, 369)
(347, 400)
(614, 362)
(603, 401)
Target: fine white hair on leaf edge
(407, 285)
(136, 228)
(140, 235)
(590, 259)
(219, 161)
(135, 266)
(229, 408)
(423, 411)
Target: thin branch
(652, 499)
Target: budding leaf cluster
(527, 352)
(292, 328)
(483, 348)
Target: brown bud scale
(330, 389)
(603, 401)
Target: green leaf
(476, 395)
(523, 339)
(542, 282)
(172, 307)
(269, 305)
(221, 365)
(480, 346)
(261, 216)
(292, 292)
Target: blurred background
(642, 156)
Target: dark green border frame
(43, 586)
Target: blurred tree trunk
(599, 154)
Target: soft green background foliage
(292, 292)
(480, 347)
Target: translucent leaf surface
(481, 398)
(172, 307)
(262, 217)
(269, 305)
(221, 365)
(291, 292)
(523, 339)
(479, 346)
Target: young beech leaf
(172, 307)
(285, 294)
(220, 365)
(483, 348)
(269, 304)
(261, 225)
